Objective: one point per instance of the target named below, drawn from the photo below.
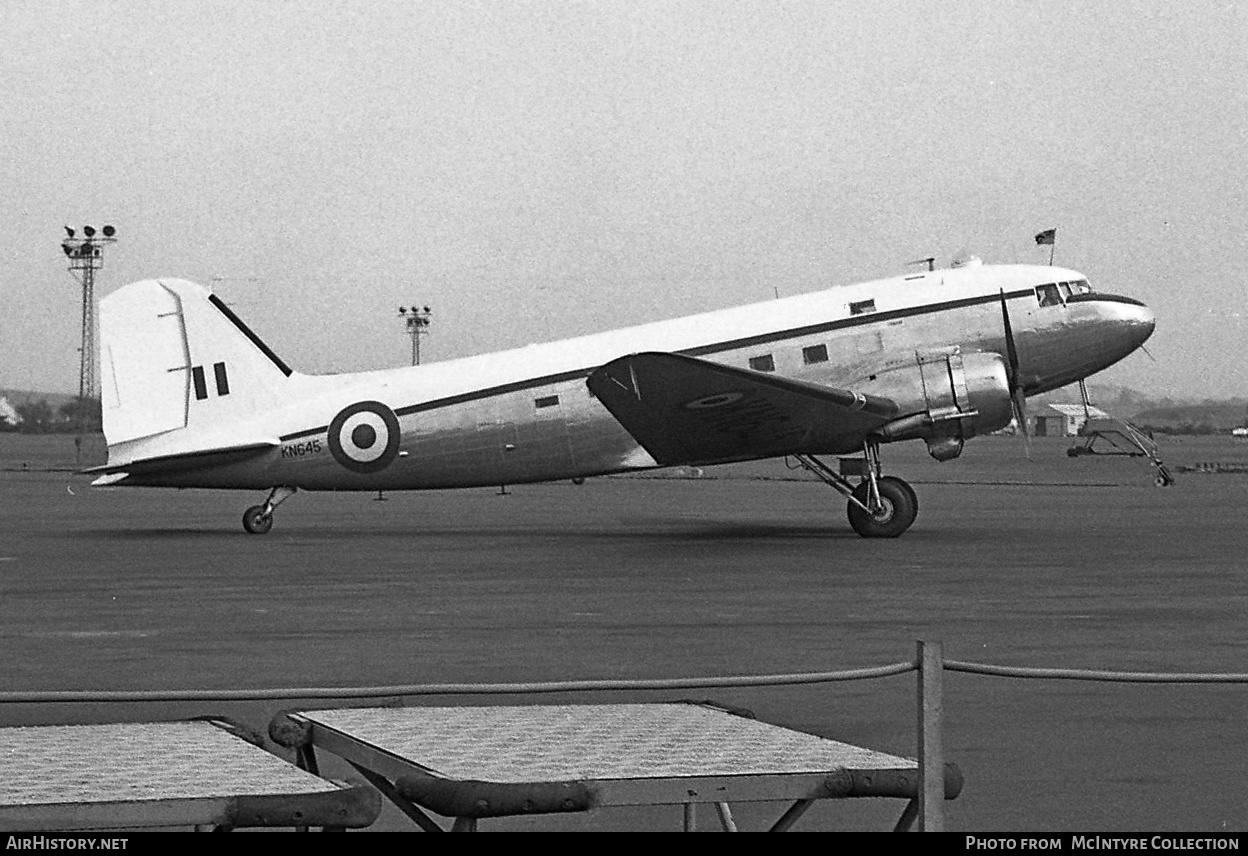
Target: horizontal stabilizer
(110, 478)
(184, 462)
(689, 411)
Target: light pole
(86, 256)
(417, 320)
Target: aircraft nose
(1125, 324)
(1139, 321)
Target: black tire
(900, 507)
(914, 497)
(256, 522)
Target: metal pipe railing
(929, 663)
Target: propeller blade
(1017, 398)
(1020, 416)
(1011, 350)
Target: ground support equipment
(205, 774)
(1119, 437)
(469, 763)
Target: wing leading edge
(683, 410)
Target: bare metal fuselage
(527, 415)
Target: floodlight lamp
(427, 310)
(89, 231)
(69, 231)
(402, 310)
(109, 231)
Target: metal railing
(929, 663)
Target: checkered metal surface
(49, 765)
(595, 742)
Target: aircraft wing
(684, 410)
(166, 464)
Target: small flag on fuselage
(1048, 236)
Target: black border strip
(718, 347)
(246, 331)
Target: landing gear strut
(879, 506)
(258, 519)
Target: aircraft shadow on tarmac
(652, 531)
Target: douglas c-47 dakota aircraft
(193, 398)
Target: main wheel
(899, 505)
(256, 521)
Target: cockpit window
(1080, 286)
(1064, 288)
(1048, 295)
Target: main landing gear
(879, 506)
(258, 519)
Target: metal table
(202, 774)
(469, 763)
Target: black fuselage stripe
(701, 351)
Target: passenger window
(862, 307)
(765, 363)
(546, 401)
(1048, 295)
(815, 354)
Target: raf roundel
(364, 437)
(710, 402)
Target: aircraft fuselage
(527, 414)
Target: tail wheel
(256, 521)
(899, 505)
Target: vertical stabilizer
(174, 357)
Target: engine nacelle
(947, 398)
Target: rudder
(173, 356)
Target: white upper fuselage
(527, 415)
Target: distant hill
(1164, 412)
(1122, 401)
(55, 400)
(1212, 417)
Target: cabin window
(765, 363)
(1048, 295)
(861, 307)
(815, 354)
(546, 401)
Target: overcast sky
(538, 170)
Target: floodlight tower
(86, 256)
(417, 320)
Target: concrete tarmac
(143, 589)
